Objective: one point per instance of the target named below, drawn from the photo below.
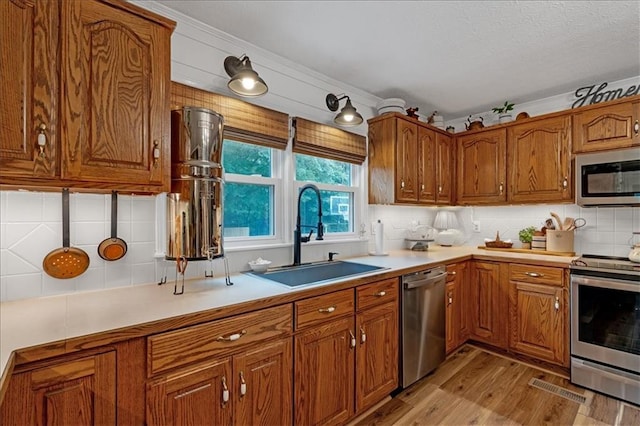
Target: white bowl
(387, 109)
(259, 265)
(391, 102)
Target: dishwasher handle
(424, 282)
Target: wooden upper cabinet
(427, 149)
(539, 161)
(115, 112)
(75, 392)
(607, 127)
(481, 168)
(29, 34)
(89, 105)
(406, 184)
(409, 162)
(444, 169)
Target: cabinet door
(482, 167)
(263, 383)
(193, 397)
(444, 169)
(489, 304)
(28, 87)
(406, 162)
(79, 392)
(115, 76)
(324, 373)
(539, 161)
(608, 127)
(427, 149)
(377, 354)
(537, 322)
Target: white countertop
(32, 322)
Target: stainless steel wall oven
(605, 326)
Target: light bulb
(348, 117)
(248, 83)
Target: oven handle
(609, 283)
(617, 375)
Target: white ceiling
(456, 57)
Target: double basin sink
(316, 273)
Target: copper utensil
(113, 248)
(65, 262)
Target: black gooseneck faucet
(298, 239)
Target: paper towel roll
(379, 241)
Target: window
(337, 181)
(250, 191)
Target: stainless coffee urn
(194, 205)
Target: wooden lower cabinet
(76, 392)
(489, 301)
(538, 316)
(253, 387)
(376, 354)
(324, 377)
(456, 301)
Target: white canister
(560, 241)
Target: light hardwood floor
(475, 387)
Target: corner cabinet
(489, 303)
(74, 392)
(456, 301)
(100, 119)
(538, 161)
(481, 167)
(607, 127)
(409, 162)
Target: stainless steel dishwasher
(423, 323)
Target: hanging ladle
(113, 248)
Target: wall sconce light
(348, 116)
(244, 80)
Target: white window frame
(356, 190)
(276, 180)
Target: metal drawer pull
(363, 335)
(353, 339)
(225, 390)
(381, 293)
(327, 310)
(534, 274)
(189, 392)
(243, 385)
(231, 337)
(451, 273)
(42, 139)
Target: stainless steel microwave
(609, 178)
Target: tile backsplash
(31, 226)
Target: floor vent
(557, 390)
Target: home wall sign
(589, 95)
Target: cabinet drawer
(377, 293)
(322, 308)
(535, 274)
(193, 344)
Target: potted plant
(526, 236)
(504, 112)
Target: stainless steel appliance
(194, 205)
(608, 178)
(605, 326)
(423, 323)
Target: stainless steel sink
(315, 273)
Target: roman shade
(329, 142)
(243, 122)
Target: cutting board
(529, 251)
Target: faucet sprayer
(297, 237)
